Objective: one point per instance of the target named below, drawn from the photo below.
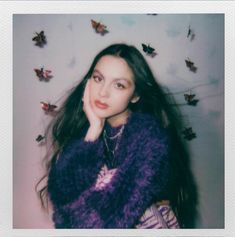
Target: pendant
(110, 160)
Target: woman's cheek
(93, 90)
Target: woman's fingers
(87, 106)
(96, 123)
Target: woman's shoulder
(144, 121)
(146, 136)
(146, 126)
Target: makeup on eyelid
(123, 81)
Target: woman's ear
(135, 99)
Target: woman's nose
(104, 91)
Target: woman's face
(111, 89)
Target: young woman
(118, 158)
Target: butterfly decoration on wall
(149, 50)
(40, 138)
(189, 134)
(40, 39)
(190, 65)
(43, 75)
(47, 107)
(99, 28)
(189, 98)
(190, 34)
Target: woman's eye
(119, 85)
(97, 78)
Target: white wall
(72, 44)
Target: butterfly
(43, 75)
(189, 134)
(190, 34)
(190, 99)
(190, 65)
(189, 31)
(149, 50)
(40, 138)
(48, 107)
(193, 102)
(40, 39)
(99, 28)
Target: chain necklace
(116, 135)
(111, 161)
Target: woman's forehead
(114, 67)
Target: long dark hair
(70, 120)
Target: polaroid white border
(8, 8)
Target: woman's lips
(101, 105)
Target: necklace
(119, 133)
(110, 157)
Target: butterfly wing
(186, 96)
(42, 33)
(35, 38)
(147, 49)
(189, 32)
(39, 138)
(150, 49)
(94, 24)
(193, 68)
(193, 102)
(46, 74)
(189, 97)
(42, 37)
(144, 47)
(51, 107)
(101, 28)
(189, 63)
(189, 134)
(48, 107)
(187, 130)
(39, 73)
(45, 106)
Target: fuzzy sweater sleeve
(138, 182)
(75, 170)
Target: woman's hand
(96, 123)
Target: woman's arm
(74, 171)
(139, 181)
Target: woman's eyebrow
(115, 79)
(97, 71)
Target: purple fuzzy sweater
(142, 178)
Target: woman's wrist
(93, 133)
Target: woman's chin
(102, 113)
